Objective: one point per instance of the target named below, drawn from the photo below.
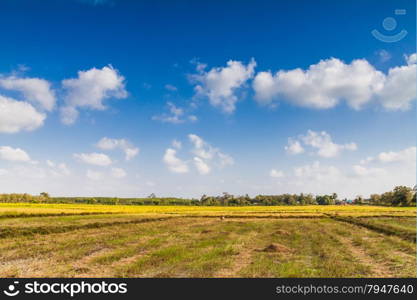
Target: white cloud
(327, 83)
(98, 159)
(90, 90)
(318, 172)
(176, 115)
(321, 141)
(13, 154)
(276, 174)
(407, 155)
(93, 175)
(411, 59)
(174, 164)
(294, 147)
(110, 144)
(221, 84)
(16, 116)
(205, 151)
(364, 171)
(202, 167)
(118, 173)
(205, 154)
(201, 148)
(35, 90)
(171, 87)
(400, 86)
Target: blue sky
(260, 97)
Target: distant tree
(358, 200)
(402, 196)
(375, 199)
(44, 195)
(152, 196)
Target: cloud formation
(13, 154)
(173, 163)
(321, 141)
(129, 150)
(327, 83)
(89, 90)
(220, 85)
(34, 90)
(97, 159)
(175, 115)
(204, 157)
(206, 154)
(407, 156)
(16, 116)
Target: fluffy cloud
(174, 164)
(294, 147)
(35, 90)
(206, 153)
(406, 156)
(204, 157)
(16, 116)
(276, 174)
(176, 115)
(118, 173)
(318, 172)
(220, 85)
(202, 167)
(13, 154)
(411, 59)
(321, 141)
(110, 144)
(90, 90)
(364, 171)
(98, 159)
(325, 84)
(375, 174)
(400, 86)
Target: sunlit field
(71, 240)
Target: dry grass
(143, 241)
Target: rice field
(70, 240)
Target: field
(69, 240)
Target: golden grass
(34, 208)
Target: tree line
(399, 196)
